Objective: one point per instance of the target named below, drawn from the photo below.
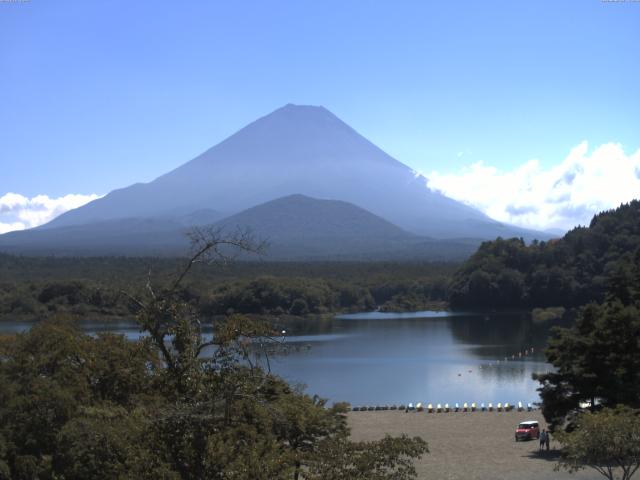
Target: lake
(383, 358)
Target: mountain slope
(300, 227)
(296, 149)
(126, 236)
(296, 227)
(299, 216)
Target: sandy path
(468, 446)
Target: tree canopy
(175, 404)
(572, 271)
(32, 288)
(607, 441)
(597, 361)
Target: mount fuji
(295, 152)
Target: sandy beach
(468, 446)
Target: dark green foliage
(109, 442)
(299, 307)
(197, 418)
(251, 288)
(80, 297)
(579, 268)
(5, 473)
(390, 458)
(295, 296)
(597, 358)
(74, 406)
(29, 467)
(72, 292)
(606, 441)
(50, 375)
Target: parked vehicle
(527, 430)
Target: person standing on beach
(547, 440)
(543, 439)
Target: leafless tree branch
(208, 244)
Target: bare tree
(175, 327)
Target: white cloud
(563, 196)
(18, 212)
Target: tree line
(572, 271)
(272, 289)
(591, 398)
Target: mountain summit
(294, 150)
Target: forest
(75, 406)
(93, 287)
(506, 273)
(577, 269)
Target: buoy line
(446, 408)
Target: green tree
(388, 459)
(52, 374)
(607, 441)
(229, 417)
(177, 404)
(299, 307)
(94, 445)
(5, 473)
(44, 370)
(589, 264)
(597, 360)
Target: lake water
(382, 358)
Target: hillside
(583, 266)
(295, 227)
(302, 216)
(299, 227)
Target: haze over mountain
(294, 150)
(299, 227)
(295, 227)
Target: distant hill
(583, 266)
(294, 150)
(299, 227)
(296, 227)
(127, 236)
(299, 216)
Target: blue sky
(98, 95)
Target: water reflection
(376, 358)
(433, 357)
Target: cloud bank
(560, 197)
(18, 212)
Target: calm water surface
(384, 358)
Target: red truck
(527, 430)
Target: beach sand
(468, 446)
